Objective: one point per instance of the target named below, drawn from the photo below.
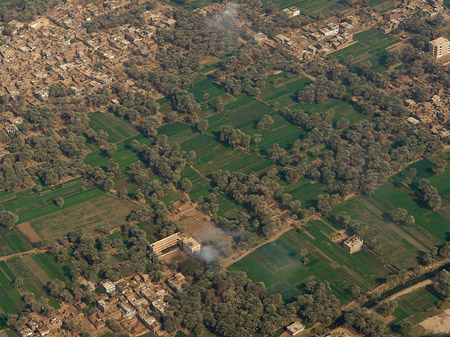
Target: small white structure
(292, 11)
(191, 246)
(295, 328)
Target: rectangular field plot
(371, 46)
(124, 155)
(415, 307)
(310, 6)
(118, 129)
(280, 266)
(87, 215)
(12, 241)
(29, 205)
(400, 244)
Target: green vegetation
(300, 256)
(400, 244)
(415, 307)
(116, 128)
(370, 46)
(311, 6)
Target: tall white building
(439, 47)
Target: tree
(111, 149)
(442, 286)
(202, 125)
(264, 123)
(399, 215)
(186, 184)
(405, 328)
(387, 308)
(59, 201)
(8, 219)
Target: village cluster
(132, 302)
(327, 36)
(58, 49)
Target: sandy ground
(438, 324)
(29, 232)
(408, 290)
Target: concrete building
(165, 243)
(191, 246)
(39, 23)
(176, 282)
(292, 11)
(295, 328)
(353, 244)
(147, 320)
(109, 286)
(128, 310)
(439, 47)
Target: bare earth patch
(29, 232)
(87, 215)
(34, 267)
(438, 324)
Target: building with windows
(353, 244)
(439, 47)
(191, 246)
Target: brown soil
(29, 232)
(438, 324)
(34, 267)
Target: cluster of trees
(436, 253)
(8, 219)
(165, 159)
(87, 254)
(430, 195)
(351, 226)
(366, 322)
(317, 305)
(264, 123)
(442, 286)
(133, 105)
(245, 70)
(320, 90)
(401, 216)
(234, 137)
(250, 190)
(228, 304)
(357, 159)
(152, 190)
(159, 213)
(25, 10)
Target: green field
(10, 298)
(415, 307)
(311, 6)
(117, 128)
(278, 264)
(401, 244)
(30, 205)
(12, 241)
(370, 46)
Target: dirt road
(28, 252)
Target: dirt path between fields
(229, 261)
(28, 252)
(408, 290)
